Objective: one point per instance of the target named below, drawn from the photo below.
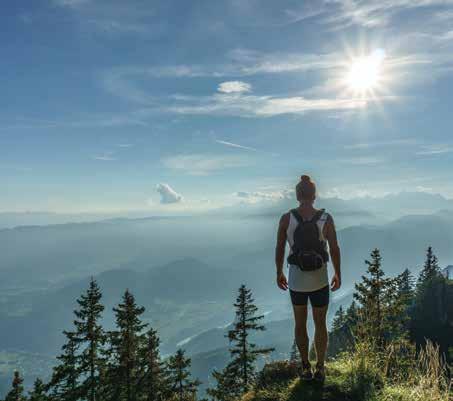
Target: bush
(276, 374)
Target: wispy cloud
(363, 160)
(235, 145)
(432, 150)
(370, 145)
(374, 13)
(106, 157)
(260, 106)
(204, 164)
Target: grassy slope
(334, 388)
(337, 387)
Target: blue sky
(188, 105)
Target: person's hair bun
(305, 178)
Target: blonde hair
(306, 189)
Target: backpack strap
(317, 215)
(296, 214)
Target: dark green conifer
(17, 391)
(38, 392)
(430, 269)
(153, 381)
(63, 385)
(125, 343)
(228, 384)
(380, 308)
(339, 319)
(294, 356)
(243, 352)
(89, 337)
(180, 381)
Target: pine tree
(153, 380)
(89, 336)
(228, 387)
(429, 314)
(369, 293)
(179, 377)
(352, 314)
(243, 352)
(39, 391)
(339, 319)
(125, 344)
(405, 282)
(376, 295)
(430, 269)
(63, 384)
(294, 356)
(17, 391)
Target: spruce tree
(153, 381)
(89, 337)
(294, 356)
(17, 391)
(38, 392)
(180, 381)
(125, 344)
(430, 269)
(228, 387)
(63, 385)
(243, 352)
(371, 295)
(352, 316)
(429, 315)
(339, 319)
(405, 282)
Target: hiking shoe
(320, 373)
(306, 373)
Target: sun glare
(365, 72)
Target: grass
(358, 376)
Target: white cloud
(259, 196)
(168, 195)
(204, 164)
(234, 87)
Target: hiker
(308, 231)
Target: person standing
(312, 238)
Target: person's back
(308, 231)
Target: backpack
(308, 251)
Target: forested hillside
(378, 350)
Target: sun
(365, 73)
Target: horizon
(170, 108)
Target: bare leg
(321, 336)
(300, 331)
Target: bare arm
(280, 251)
(335, 253)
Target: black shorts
(318, 298)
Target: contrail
(235, 145)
